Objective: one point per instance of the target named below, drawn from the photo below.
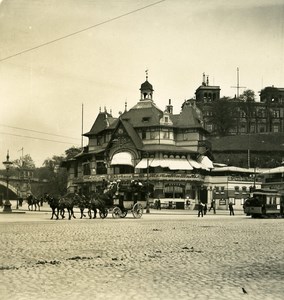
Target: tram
(265, 203)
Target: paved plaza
(164, 255)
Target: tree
(222, 116)
(72, 152)
(24, 162)
(247, 105)
(54, 174)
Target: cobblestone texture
(160, 256)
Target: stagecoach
(130, 196)
(265, 203)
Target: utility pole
(238, 87)
(82, 126)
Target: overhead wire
(36, 131)
(79, 31)
(37, 138)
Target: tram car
(265, 203)
(130, 196)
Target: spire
(125, 106)
(169, 107)
(146, 89)
(203, 79)
(146, 71)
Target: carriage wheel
(103, 213)
(137, 210)
(123, 214)
(116, 212)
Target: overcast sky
(104, 66)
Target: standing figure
(205, 209)
(213, 206)
(231, 208)
(200, 209)
(159, 204)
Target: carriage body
(130, 196)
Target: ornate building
(168, 150)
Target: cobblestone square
(160, 256)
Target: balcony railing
(143, 177)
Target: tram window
(277, 200)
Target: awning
(195, 164)
(171, 163)
(144, 163)
(122, 158)
(274, 170)
(206, 163)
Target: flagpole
(82, 126)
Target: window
(276, 114)
(143, 134)
(166, 119)
(145, 119)
(275, 128)
(237, 189)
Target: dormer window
(166, 119)
(146, 119)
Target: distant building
(264, 116)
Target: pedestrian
(200, 209)
(213, 206)
(159, 204)
(231, 208)
(205, 209)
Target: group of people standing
(202, 208)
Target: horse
(69, 201)
(102, 200)
(33, 202)
(54, 205)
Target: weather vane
(146, 71)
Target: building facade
(263, 116)
(169, 151)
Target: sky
(63, 61)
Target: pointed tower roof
(103, 121)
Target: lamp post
(7, 204)
(147, 199)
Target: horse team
(94, 202)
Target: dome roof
(146, 86)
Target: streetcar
(264, 203)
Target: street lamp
(7, 204)
(147, 199)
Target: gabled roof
(103, 121)
(132, 134)
(188, 118)
(144, 114)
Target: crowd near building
(171, 152)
